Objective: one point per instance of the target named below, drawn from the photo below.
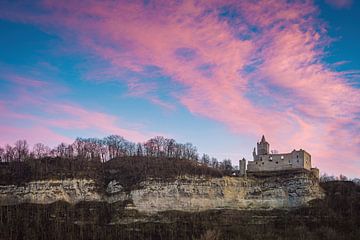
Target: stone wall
(284, 161)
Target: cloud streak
(37, 115)
(340, 3)
(255, 66)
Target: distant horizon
(217, 74)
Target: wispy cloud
(340, 3)
(255, 66)
(38, 115)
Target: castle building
(266, 161)
(242, 167)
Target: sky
(218, 74)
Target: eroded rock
(183, 194)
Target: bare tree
(343, 178)
(21, 150)
(61, 149)
(40, 150)
(226, 165)
(214, 162)
(325, 178)
(78, 147)
(150, 148)
(103, 153)
(9, 153)
(117, 145)
(170, 147)
(205, 159)
(69, 152)
(139, 150)
(2, 154)
(190, 152)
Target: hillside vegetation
(128, 171)
(106, 159)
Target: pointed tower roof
(263, 139)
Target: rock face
(44, 192)
(183, 193)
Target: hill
(129, 170)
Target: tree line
(113, 146)
(331, 178)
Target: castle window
(277, 162)
(282, 157)
(263, 163)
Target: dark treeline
(113, 146)
(330, 178)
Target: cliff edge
(283, 190)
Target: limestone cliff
(44, 192)
(183, 193)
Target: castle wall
(274, 162)
(307, 158)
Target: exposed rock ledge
(48, 191)
(185, 193)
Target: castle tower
(242, 167)
(254, 154)
(263, 147)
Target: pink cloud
(340, 3)
(33, 134)
(71, 116)
(36, 115)
(37, 128)
(25, 81)
(291, 95)
(147, 90)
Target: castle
(266, 161)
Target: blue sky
(190, 71)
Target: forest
(112, 157)
(113, 146)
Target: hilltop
(128, 171)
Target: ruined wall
(283, 161)
(184, 193)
